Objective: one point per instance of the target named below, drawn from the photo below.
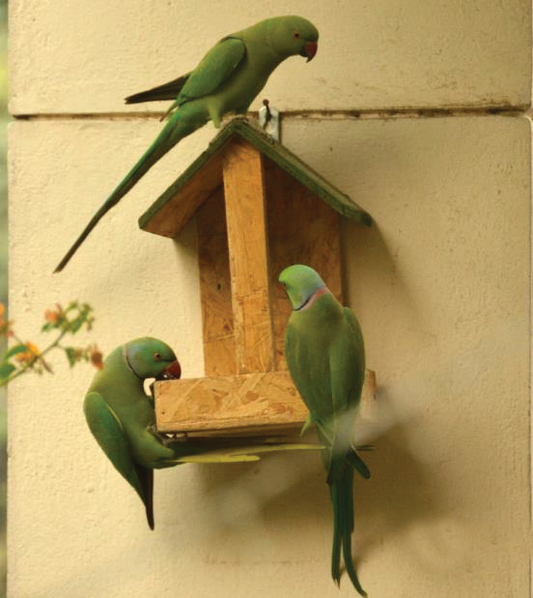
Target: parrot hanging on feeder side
(325, 354)
(121, 417)
(226, 80)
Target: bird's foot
(169, 439)
(306, 425)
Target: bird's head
(292, 36)
(301, 283)
(151, 358)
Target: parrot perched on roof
(325, 353)
(121, 417)
(226, 80)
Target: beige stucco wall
(395, 53)
(441, 286)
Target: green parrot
(226, 80)
(325, 353)
(121, 417)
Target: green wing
(310, 371)
(357, 336)
(109, 433)
(292, 363)
(314, 388)
(216, 66)
(347, 365)
(214, 69)
(290, 357)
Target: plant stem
(39, 357)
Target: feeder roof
(171, 212)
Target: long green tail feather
(343, 523)
(179, 126)
(348, 527)
(327, 436)
(358, 464)
(337, 539)
(146, 477)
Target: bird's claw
(168, 439)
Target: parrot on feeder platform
(121, 417)
(325, 354)
(225, 81)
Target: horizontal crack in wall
(303, 114)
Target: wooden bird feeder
(258, 209)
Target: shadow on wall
(287, 497)
(402, 493)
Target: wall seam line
(295, 114)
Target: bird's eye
(157, 356)
(296, 35)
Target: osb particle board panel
(302, 229)
(215, 287)
(248, 248)
(169, 214)
(227, 402)
(261, 403)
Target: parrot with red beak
(226, 81)
(121, 418)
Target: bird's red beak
(172, 372)
(310, 49)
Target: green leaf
(52, 325)
(15, 351)
(6, 369)
(72, 305)
(76, 324)
(71, 354)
